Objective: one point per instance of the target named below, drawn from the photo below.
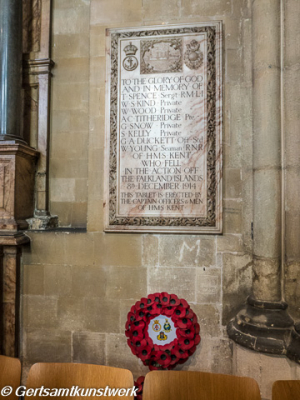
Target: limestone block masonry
(78, 282)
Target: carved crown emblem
(194, 45)
(130, 49)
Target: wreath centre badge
(161, 330)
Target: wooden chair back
(286, 390)
(190, 385)
(85, 376)
(10, 374)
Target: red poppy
(184, 303)
(132, 309)
(163, 358)
(140, 381)
(128, 333)
(174, 300)
(139, 384)
(149, 301)
(132, 348)
(163, 347)
(127, 325)
(168, 311)
(179, 312)
(156, 309)
(197, 339)
(159, 308)
(194, 319)
(145, 353)
(156, 348)
(185, 343)
(146, 333)
(183, 323)
(187, 333)
(181, 354)
(189, 313)
(174, 357)
(139, 343)
(141, 304)
(154, 297)
(130, 317)
(138, 325)
(154, 365)
(136, 334)
(152, 309)
(190, 333)
(137, 328)
(164, 298)
(197, 328)
(192, 350)
(140, 315)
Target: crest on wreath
(162, 336)
(193, 56)
(156, 326)
(167, 326)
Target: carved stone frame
(213, 222)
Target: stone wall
(78, 286)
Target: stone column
(10, 301)
(37, 76)
(10, 69)
(17, 169)
(292, 168)
(266, 150)
(264, 325)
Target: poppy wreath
(139, 384)
(148, 337)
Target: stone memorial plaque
(164, 129)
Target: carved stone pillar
(264, 324)
(37, 79)
(17, 170)
(10, 296)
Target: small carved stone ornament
(193, 56)
(130, 62)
